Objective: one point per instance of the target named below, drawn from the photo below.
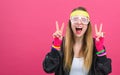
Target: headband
(79, 13)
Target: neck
(77, 48)
(78, 40)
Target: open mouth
(78, 30)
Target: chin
(79, 36)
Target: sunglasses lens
(84, 20)
(77, 19)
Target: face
(79, 25)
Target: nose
(79, 22)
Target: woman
(78, 53)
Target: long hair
(87, 46)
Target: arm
(51, 61)
(103, 64)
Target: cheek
(85, 28)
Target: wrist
(57, 42)
(101, 52)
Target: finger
(103, 34)
(57, 34)
(100, 35)
(60, 37)
(57, 26)
(97, 39)
(100, 27)
(54, 35)
(62, 27)
(96, 30)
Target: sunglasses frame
(78, 18)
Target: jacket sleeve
(104, 65)
(51, 61)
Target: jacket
(53, 63)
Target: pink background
(26, 28)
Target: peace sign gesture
(59, 31)
(98, 33)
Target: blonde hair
(87, 46)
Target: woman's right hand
(57, 35)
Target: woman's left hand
(99, 38)
(98, 33)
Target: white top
(77, 67)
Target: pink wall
(26, 28)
